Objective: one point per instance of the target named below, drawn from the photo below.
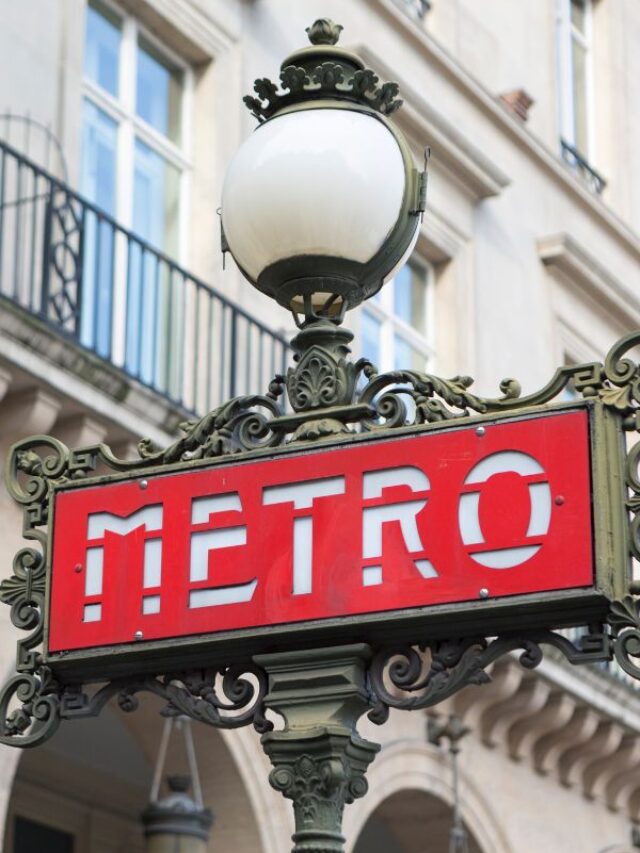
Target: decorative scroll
(338, 80)
(329, 395)
(328, 80)
(412, 678)
(224, 698)
(625, 623)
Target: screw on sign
(367, 527)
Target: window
(133, 146)
(32, 837)
(134, 167)
(416, 8)
(575, 88)
(396, 324)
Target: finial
(324, 31)
(179, 784)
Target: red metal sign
(372, 526)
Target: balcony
(578, 164)
(68, 267)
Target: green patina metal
(320, 688)
(326, 77)
(227, 683)
(330, 407)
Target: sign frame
(556, 609)
(219, 678)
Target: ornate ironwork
(340, 76)
(329, 395)
(223, 698)
(417, 677)
(63, 275)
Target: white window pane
(579, 15)
(102, 47)
(579, 74)
(371, 329)
(409, 297)
(98, 169)
(156, 199)
(158, 92)
(407, 357)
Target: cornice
(199, 34)
(507, 123)
(578, 725)
(578, 269)
(423, 124)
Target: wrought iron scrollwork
(624, 619)
(33, 702)
(227, 697)
(417, 677)
(36, 716)
(329, 395)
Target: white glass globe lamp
(322, 203)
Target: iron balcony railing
(70, 264)
(580, 166)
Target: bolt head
(480, 431)
(144, 484)
(138, 635)
(484, 592)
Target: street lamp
(177, 823)
(321, 204)
(452, 730)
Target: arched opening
(410, 821)
(84, 790)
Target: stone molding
(575, 267)
(197, 32)
(32, 355)
(573, 736)
(508, 124)
(422, 123)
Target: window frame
(131, 126)
(567, 34)
(391, 323)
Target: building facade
(117, 321)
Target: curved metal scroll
(411, 678)
(330, 395)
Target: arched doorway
(410, 821)
(84, 790)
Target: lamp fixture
(322, 203)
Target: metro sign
(333, 535)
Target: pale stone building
(117, 121)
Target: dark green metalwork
(319, 759)
(414, 662)
(333, 399)
(326, 77)
(322, 72)
(407, 660)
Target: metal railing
(73, 266)
(416, 8)
(577, 162)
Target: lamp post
(321, 205)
